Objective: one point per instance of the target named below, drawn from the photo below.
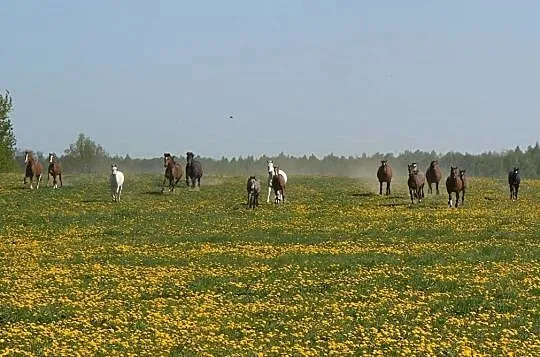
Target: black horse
(194, 170)
(513, 181)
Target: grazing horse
(278, 184)
(271, 172)
(117, 182)
(193, 170)
(416, 183)
(33, 169)
(173, 171)
(253, 189)
(454, 183)
(433, 175)
(55, 169)
(384, 174)
(513, 181)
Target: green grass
(337, 269)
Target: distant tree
(85, 155)
(7, 138)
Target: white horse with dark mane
(117, 182)
(271, 173)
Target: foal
(384, 174)
(513, 181)
(54, 170)
(33, 169)
(253, 190)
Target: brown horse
(55, 169)
(416, 182)
(384, 174)
(454, 183)
(278, 184)
(33, 169)
(464, 180)
(433, 175)
(173, 171)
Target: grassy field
(336, 270)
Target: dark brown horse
(55, 169)
(416, 183)
(194, 170)
(278, 184)
(433, 175)
(464, 180)
(33, 169)
(454, 184)
(384, 174)
(514, 181)
(173, 171)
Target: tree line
(86, 156)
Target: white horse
(117, 182)
(271, 174)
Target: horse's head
(516, 170)
(454, 171)
(189, 157)
(166, 157)
(52, 157)
(27, 157)
(270, 166)
(462, 173)
(114, 169)
(412, 168)
(384, 163)
(434, 163)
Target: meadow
(337, 270)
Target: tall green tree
(7, 138)
(85, 155)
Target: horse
(271, 172)
(173, 172)
(193, 170)
(253, 189)
(416, 183)
(278, 184)
(513, 181)
(33, 169)
(454, 183)
(433, 175)
(384, 174)
(55, 169)
(117, 182)
(464, 180)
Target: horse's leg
(38, 180)
(412, 195)
(388, 190)
(380, 187)
(48, 177)
(429, 190)
(119, 191)
(450, 200)
(463, 196)
(457, 199)
(269, 190)
(437, 187)
(60, 177)
(163, 184)
(517, 190)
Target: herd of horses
(456, 183)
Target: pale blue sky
(302, 77)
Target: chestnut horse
(33, 169)
(454, 183)
(513, 181)
(271, 173)
(193, 170)
(416, 183)
(173, 171)
(384, 174)
(433, 175)
(55, 169)
(278, 184)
